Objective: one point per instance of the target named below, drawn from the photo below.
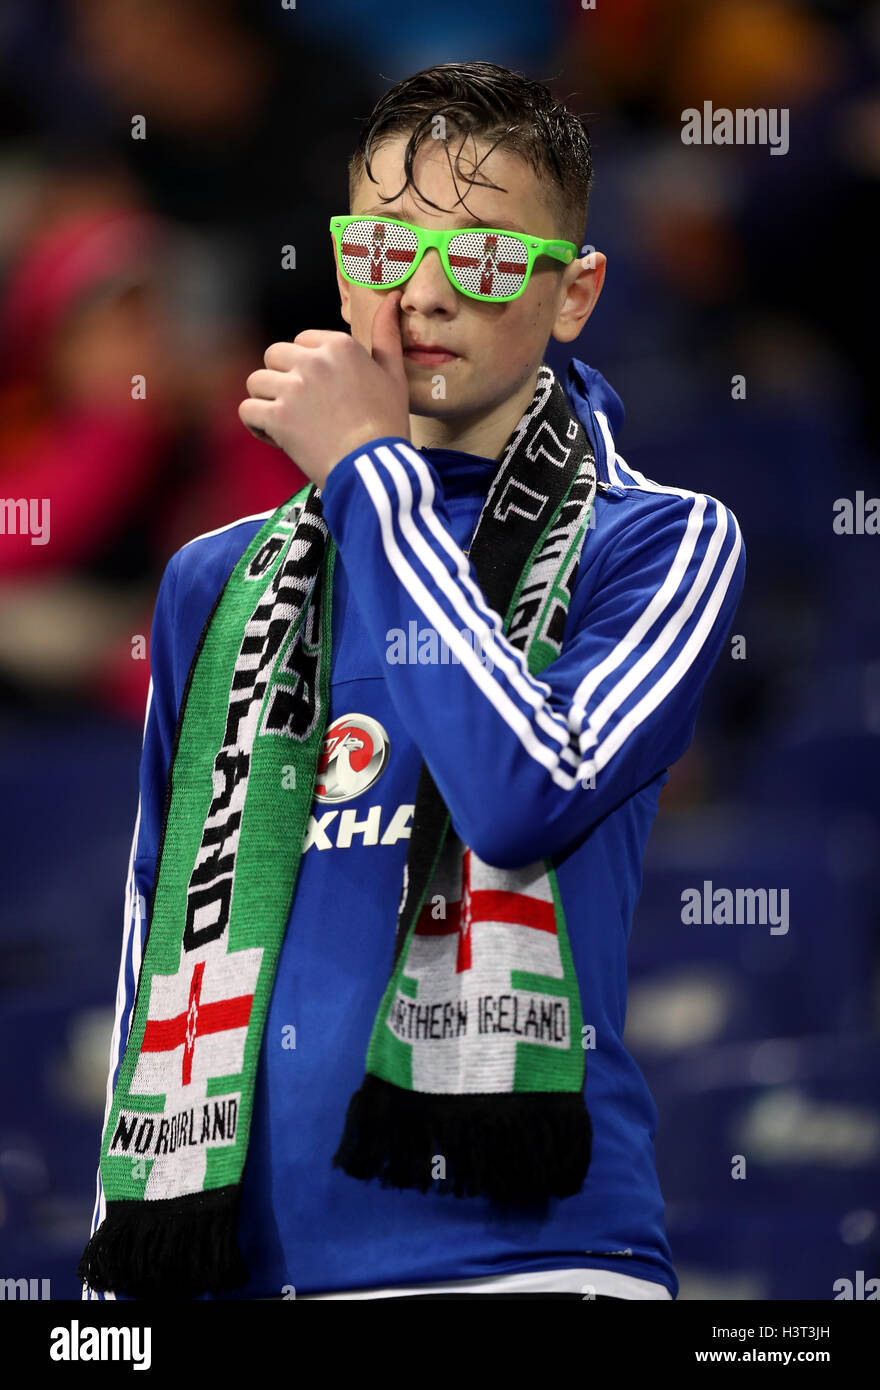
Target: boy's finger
(255, 415)
(385, 345)
(266, 384)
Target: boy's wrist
(341, 470)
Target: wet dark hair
(496, 105)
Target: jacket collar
(599, 409)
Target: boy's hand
(323, 395)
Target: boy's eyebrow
(502, 224)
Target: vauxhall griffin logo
(354, 757)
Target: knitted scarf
(475, 1067)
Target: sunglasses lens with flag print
(480, 262)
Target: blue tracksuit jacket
(659, 579)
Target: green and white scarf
(475, 1067)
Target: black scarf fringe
(174, 1248)
(518, 1149)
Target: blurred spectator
(134, 442)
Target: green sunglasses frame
(439, 240)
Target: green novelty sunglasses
(482, 262)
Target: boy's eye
(488, 262)
(377, 253)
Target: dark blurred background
(163, 256)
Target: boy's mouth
(429, 356)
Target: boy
(442, 686)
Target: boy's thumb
(386, 347)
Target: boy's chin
(423, 402)
(439, 410)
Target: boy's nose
(428, 286)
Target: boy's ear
(585, 277)
(344, 288)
